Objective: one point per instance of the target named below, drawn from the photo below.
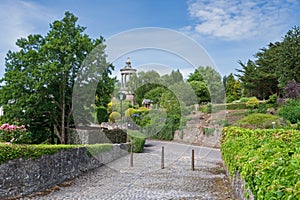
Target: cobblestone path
(146, 179)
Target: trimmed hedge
(12, 151)
(116, 136)
(138, 139)
(268, 160)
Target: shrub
(259, 120)
(290, 111)
(138, 139)
(114, 116)
(102, 114)
(272, 101)
(244, 99)
(252, 103)
(262, 108)
(266, 159)
(229, 99)
(14, 134)
(116, 136)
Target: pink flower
(12, 127)
(4, 126)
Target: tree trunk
(63, 129)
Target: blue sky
(227, 30)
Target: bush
(266, 159)
(252, 103)
(102, 114)
(272, 101)
(244, 99)
(116, 136)
(290, 111)
(259, 120)
(114, 116)
(138, 140)
(14, 134)
(229, 99)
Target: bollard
(131, 154)
(193, 160)
(162, 157)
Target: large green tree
(213, 80)
(39, 78)
(273, 67)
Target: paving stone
(146, 180)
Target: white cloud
(19, 19)
(240, 19)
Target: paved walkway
(146, 179)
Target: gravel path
(146, 179)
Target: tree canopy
(274, 66)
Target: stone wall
(22, 177)
(239, 187)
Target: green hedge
(138, 139)
(12, 151)
(268, 160)
(116, 136)
(259, 120)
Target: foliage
(259, 120)
(232, 89)
(201, 90)
(102, 114)
(266, 159)
(291, 111)
(116, 136)
(14, 134)
(244, 99)
(13, 151)
(274, 66)
(272, 101)
(114, 116)
(292, 90)
(196, 76)
(252, 103)
(140, 116)
(138, 140)
(214, 83)
(39, 78)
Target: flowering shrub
(14, 134)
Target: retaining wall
(22, 177)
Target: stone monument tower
(126, 73)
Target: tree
(292, 90)
(274, 66)
(201, 90)
(214, 83)
(232, 88)
(196, 76)
(46, 69)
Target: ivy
(268, 160)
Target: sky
(225, 31)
